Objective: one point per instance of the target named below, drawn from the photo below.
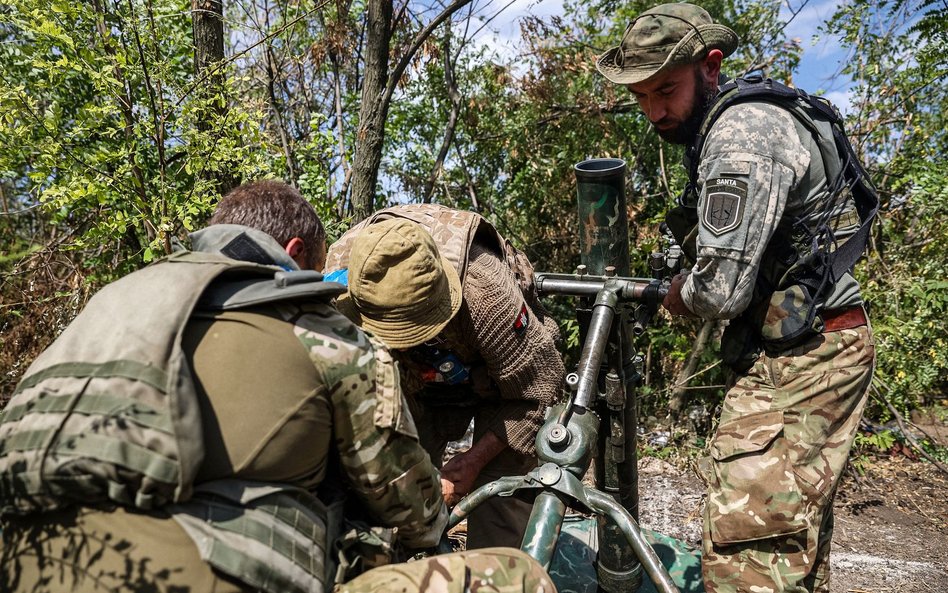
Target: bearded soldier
(771, 221)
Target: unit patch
(244, 248)
(522, 321)
(724, 208)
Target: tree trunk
(378, 86)
(374, 110)
(207, 27)
(677, 399)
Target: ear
(711, 66)
(296, 249)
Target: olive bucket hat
(400, 288)
(663, 37)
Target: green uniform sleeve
(753, 158)
(381, 459)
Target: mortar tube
(604, 243)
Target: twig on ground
(908, 437)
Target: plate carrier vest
(109, 414)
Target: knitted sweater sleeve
(523, 362)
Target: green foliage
(314, 179)
(868, 444)
(897, 59)
(111, 147)
(103, 125)
(880, 441)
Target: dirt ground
(891, 531)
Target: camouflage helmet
(663, 37)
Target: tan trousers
(781, 446)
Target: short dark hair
(277, 209)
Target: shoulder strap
(225, 294)
(845, 174)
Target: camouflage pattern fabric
(791, 312)
(287, 395)
(783, 440)
(760, 171)
(373, 431)
(453, 231)
(498, 570)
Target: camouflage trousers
(499, 570)
(784, 436)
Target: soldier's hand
(673, 301)
(457, 478)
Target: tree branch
(908, 436)
(455, 98)
(420, 38)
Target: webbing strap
(105, 404)
(273, 543)
(106, 448)
(121, 452)
(821, 268)
(25, 440)
(288, 547)
(128, 369)
(112, 450)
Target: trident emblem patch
(724, 208)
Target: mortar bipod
(565, 444)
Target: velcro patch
(523, 320)
(724, 208)
(244, 248)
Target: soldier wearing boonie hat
(788, 422)
(661, 38)
(400, 288)
(455, 302)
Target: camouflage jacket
(760, 174)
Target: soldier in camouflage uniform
(788, 422)
(455, 302)
(288, 445)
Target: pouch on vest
(275, 538)
(792, 318)
(362, 547)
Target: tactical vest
(109, 414)
(809, 258)
(454, 231)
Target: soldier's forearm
(485, 449)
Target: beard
(685, 132)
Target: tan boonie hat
(663, 37)
(400, 288)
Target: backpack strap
(823, 266)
